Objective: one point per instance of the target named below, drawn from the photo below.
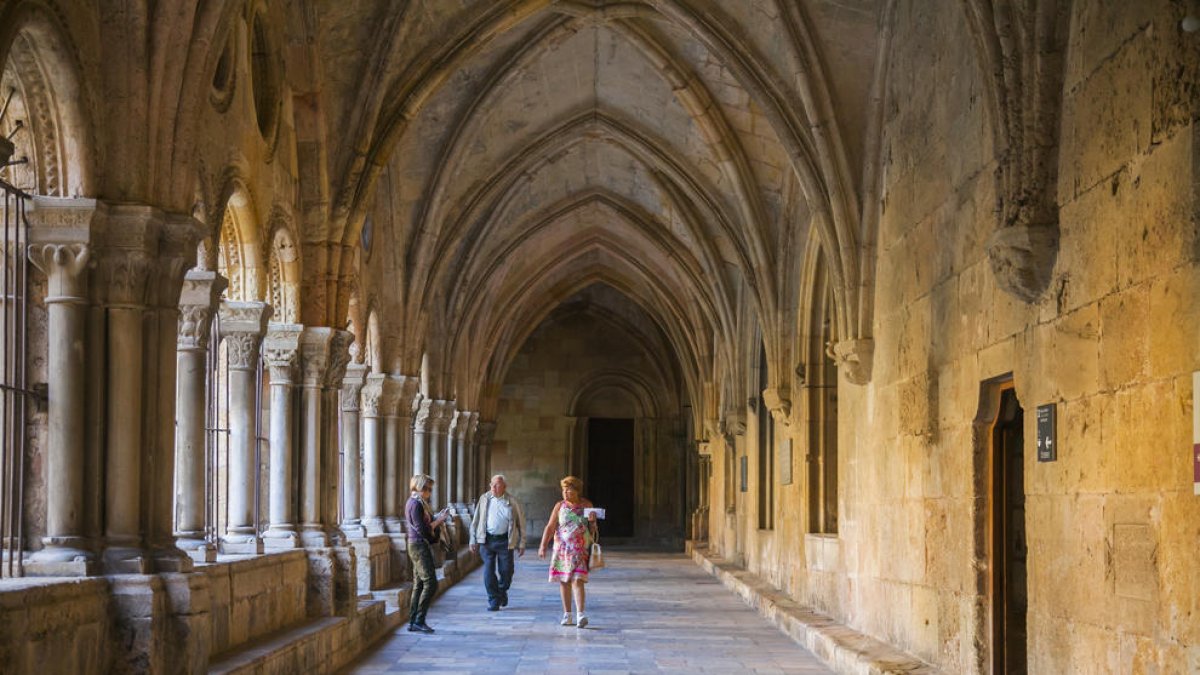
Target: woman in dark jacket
(421, 537)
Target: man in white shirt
(497, 528)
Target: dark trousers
(497, 567)
(425, 583)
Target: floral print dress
(571, 545)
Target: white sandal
(566, 620)
(583, 620)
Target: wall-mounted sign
(744, 471)
(1047, 443)
(785, 463)
(1195, 433)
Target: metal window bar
(15, 395)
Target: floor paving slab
(648, 613)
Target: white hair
(500, 476)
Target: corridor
(649, 613)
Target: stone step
(841, 647)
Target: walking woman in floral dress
(573, 536)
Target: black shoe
(504, 599)
(493, 608)
(419, 628)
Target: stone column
(392, 407)
(462, 452)
(455, 433)
(281, 349)
(131, 241)
(65, 544)
(377, 395)
(473, 486)
(352, 387)
(439, 450)
(314, 362)
(339, 359)
(243, 325)
(177, 254)
(197, 303)
(485, 432)
(422, 426)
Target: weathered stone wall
(55, 626)
(1111, 529)
(256, 596)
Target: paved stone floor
(648, 613)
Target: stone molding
(64, 266)
(198, 300)
(424, 415)
(375, 395)
(58, 220)
(131, 235)
(1022, 257)
(460, 424)
(281, 350)
(779, 404)
(352, 385)
(178, 238)
(440, 418)
(854, 358)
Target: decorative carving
(63, 265)
(1022, 258)
(314, 353)
(779, 404)
(424, 414)
(124, 275)
(375, 395)
(352, 385)
(197, 301)
(242, 350)
(339, 356)
(854, 359)
(281, 349)
(440, 421)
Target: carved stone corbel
(854, 359)
(779, 404)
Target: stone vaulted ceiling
(684, 152)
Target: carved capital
(281, 350)
(424, 416)
(197, 301)
(1022, 258)
(339, 356)
(778, 402)
(854, 359)
(485, 433)
(129, 253)
(64, 266)
(243, 325)
(314, 355)
(178, 239)
(440, 421)
(390, 388)
(375, 397)
(353, 379)
(55, 220)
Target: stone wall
(1111, 532)
(55, 627)
(256, 596)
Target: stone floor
(649, 613)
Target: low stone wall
(373, 557)
(256, 596)
(55, 626)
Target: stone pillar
(314, 361)
(393, 449)
(375, 397)
(352, 387)
(465, 421)
(65, 545)
(339, 359)
(439, 451)
(243, 325)
(281, 349)
(473, 486)
(176, 254)
(422, 426)
(485, 432)
(455, 434)
(197, 303)
(131, 242)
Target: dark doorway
(1008, 552)
(610, 473)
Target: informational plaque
(1047, 444)
(785, 463)
(745, 468)
(1195, 433)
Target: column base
(168, 558)
(354, 530)
(394, 525)
(196, 547)
(314, 537)
(281, 539)
(374, 525)
(239, 544)
(51, 566)
(126, 560)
